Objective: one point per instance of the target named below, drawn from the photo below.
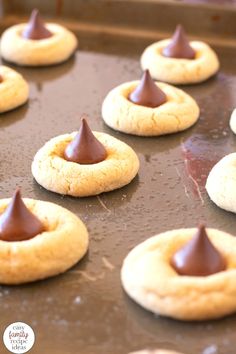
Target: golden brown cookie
(52, 171)
(180, 71)
(221, 183)
(14, 90)
(61, 245)
(178, 113)
(36, 44)
(149, 278)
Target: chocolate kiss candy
(85, 148)
(17, 223)
(147, 93)
(35, 28)
(198, 257)
(179, 46)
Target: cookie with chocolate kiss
(198, 257)
(179, 46)
(17, 222)
(85, 148)
(36, 28)
(147, 93)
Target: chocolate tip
(180, 31)
(198, 257)
(17, 222)
(179, 27)
(147, 74)
(17, 192)
(36, 28)
(35, 11)
(202, 226)
(179, 46)
(84, 122)
(147, 93)
(84, 118)
(85, 148)
(35, 14)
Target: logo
(18, 338)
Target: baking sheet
(85, 310)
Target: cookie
(232, 121)
(55, 168)
(177, 113)
(221, 183)
(165, 62)
(14, 90)
(149, 277)
(38, 240)
(36, 44)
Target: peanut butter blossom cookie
(187, 274)
(84, 163)
(36, 43)
(38, 240)
(147, 108)
(179, 61)
(221, 183)
(14, 90)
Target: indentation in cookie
(198, 257)
(36, 28)
(17, 222)
(85, 147)
(147, 93)
(179, 46)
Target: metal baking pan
(85, 310)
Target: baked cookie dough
(178, 113)
(54, 173)
(155, 351)
(52, 252)
(14, 90)
(221, 183)
(150, 280)
(30, 52)
(180, 71)
(232, 121)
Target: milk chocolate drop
(198, 257)
(179, 46)
(147, 93)
(85, 148)
(17, 222)
(35, 28)
(1, 79)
